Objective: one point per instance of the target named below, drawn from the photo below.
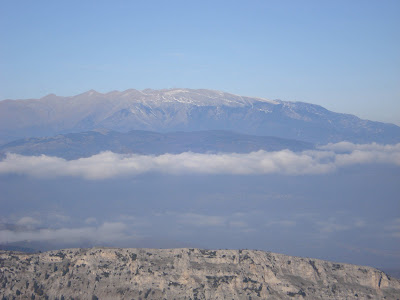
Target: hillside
(76, 145)
(185, 110)
(107, 273)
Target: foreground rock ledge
(112, 273)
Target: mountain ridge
(84, 144)
(186, 273)
(185, 110)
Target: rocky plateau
(115, 273)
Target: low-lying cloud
(107, 164)
(107, 232)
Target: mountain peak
(181, 109)
(90, 93)
(49, 96)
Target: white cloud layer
(107, 232)
(108, 164)
(28, 221)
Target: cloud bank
(107, 164)
(107, 232)
(124, 228)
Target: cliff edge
(113, 273)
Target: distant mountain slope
(114, 273)
(185, 110)
(75, 145)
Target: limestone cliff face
(107, 273)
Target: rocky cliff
(107, 273)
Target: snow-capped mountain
(185, 110)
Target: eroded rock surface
(111, 273)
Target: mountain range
(171, 110)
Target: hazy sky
(343, 55)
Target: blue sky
(343, 55)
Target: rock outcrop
(111, 273)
